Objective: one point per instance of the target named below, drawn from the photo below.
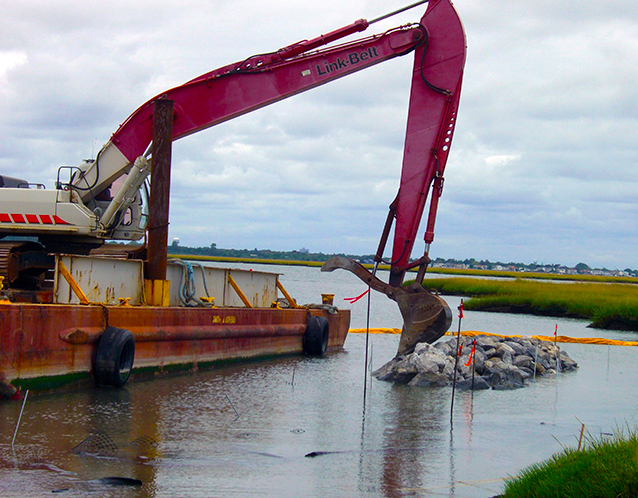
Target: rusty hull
(47, 346)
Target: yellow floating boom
(560, 338)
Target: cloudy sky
(543, 165)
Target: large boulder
(523, 360)
(429, 379)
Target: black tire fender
(114, 357)
(315, 338)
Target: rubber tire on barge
(114, 357)
(315, 338)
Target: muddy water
(247, 430)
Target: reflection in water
(181, 436)
(402, 444)
(451, 456)
(71, 443)
(414, 438)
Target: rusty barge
(92, 324)
(68, 314)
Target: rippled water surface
(248, 430)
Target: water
(191, 442)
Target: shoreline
(431, 270)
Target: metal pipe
(291, 301)
(456, 361)
(75, 287)
(15, 433)
(402, 9)
(241, 295)
(168, 333)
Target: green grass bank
(602, 469)
(440, 271)
(608, 302)
(606, 305)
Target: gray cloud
(543, 165)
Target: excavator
(106, 198)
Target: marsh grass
(534, 275)
(608, 302)
(607, 306)
(261, 261)
(445, 271)
(602, 469)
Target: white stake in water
(535, 359)
(15, 433)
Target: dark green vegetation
(608, 306)
(469, 266)
(252, 254)
(609, 302)
(603, 469)
(534, 275)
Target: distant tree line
(304, 254)
(300, 255)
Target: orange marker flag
(471, 354)
(355, 299)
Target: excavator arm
(242, 87)
(93, 206)
(83, 213)
(434, 99)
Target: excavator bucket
(426, 317)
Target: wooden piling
(160, 190)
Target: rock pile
(500, 363)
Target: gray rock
(479, 358)
(507, 385)
(444, 347)
(567, 364)
(490, 352)
(499, 363)
(517, 347)
(503, 349)
(448, 369)
(429, 363)
(525, 373)
(523, 361)
(386, 371)
(540, 369)
(422, 347)
(507, 357)
(487, 342)
(401, 371)
(429, 379)
(464, 371)
(480, 384)
(508, 377)
(494, 363)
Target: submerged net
(143, 443)
(96, 444)
(103, 445)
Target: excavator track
(23, 264)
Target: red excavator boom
(434, 99)
(82, 213)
